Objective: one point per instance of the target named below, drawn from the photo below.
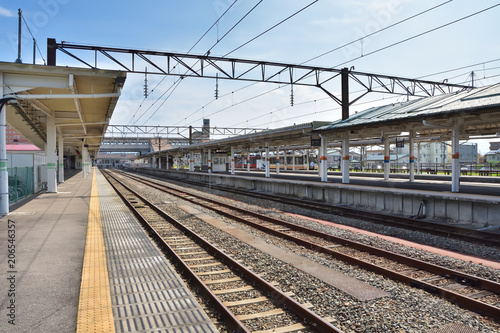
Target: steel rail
(461, 300)
(275, 295)
(438, 229)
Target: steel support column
(277, 160)
(209, 161)
(387, 158)
(455, 156)
(60, 151)
(233, 166)
(248, 160)
(51, 155)
(345, 158)
(268, 167)
(293, 159)
(191, 161)
(344, 73)
(411, 166)
(4, 175)
(323, 166)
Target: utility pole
(19, 37)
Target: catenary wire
(376, 32)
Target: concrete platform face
(147, 294)
(49, 244)
(478, 206)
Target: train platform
(477, 205)
(78, 261)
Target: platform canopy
(81, 101)
(298, 135)
(476, 112)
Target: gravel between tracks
(406, 310)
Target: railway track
(245, 301)
(414, 224)
(468, 291)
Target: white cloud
(5, 12)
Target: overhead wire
(418, 35)
(260, 35)
(390, 26)
(175, 84)
(208, 52)
(34, 40)
(376, 32)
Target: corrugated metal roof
(473, 99)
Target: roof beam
(270, 71)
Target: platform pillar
(268, 167)
(285, 162)
(293, 159)
(277, 160)
(387, 158)
(209, 161)
(411, 166)
(51, 155)
(419, 164)
(60, 151)
(166, 162)
(323, 165)
(159, 160)
(233, 166)
(85, 161)
(345, 159)
(248, 160)
(307, 160)
(455, 158)
(4, 175)
(177, 163)
(191, 161)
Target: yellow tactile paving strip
(95, 311)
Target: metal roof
(81, 100)
(479, 108)
(296, 134)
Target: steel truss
(206, 66)
(186, 132)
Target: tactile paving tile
(147, 294)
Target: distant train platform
(427, 197)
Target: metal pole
(277, 160)
(323, 160)
(4, 175)
(455, 162)
(34, 51)
(345, 92)
(19, 37)
(345, 158)
(268, 167)
(387, 158)
(233, 168)
(412, 158)
(61, 158)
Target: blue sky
(170, 25)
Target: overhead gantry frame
(206, 66)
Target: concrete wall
(451, 207)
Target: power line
(234, 26)
(390, 26)
(376, 32)
(176, 83)
(418, 35)
(34, 40)
(274, 26)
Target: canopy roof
(81, 100)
